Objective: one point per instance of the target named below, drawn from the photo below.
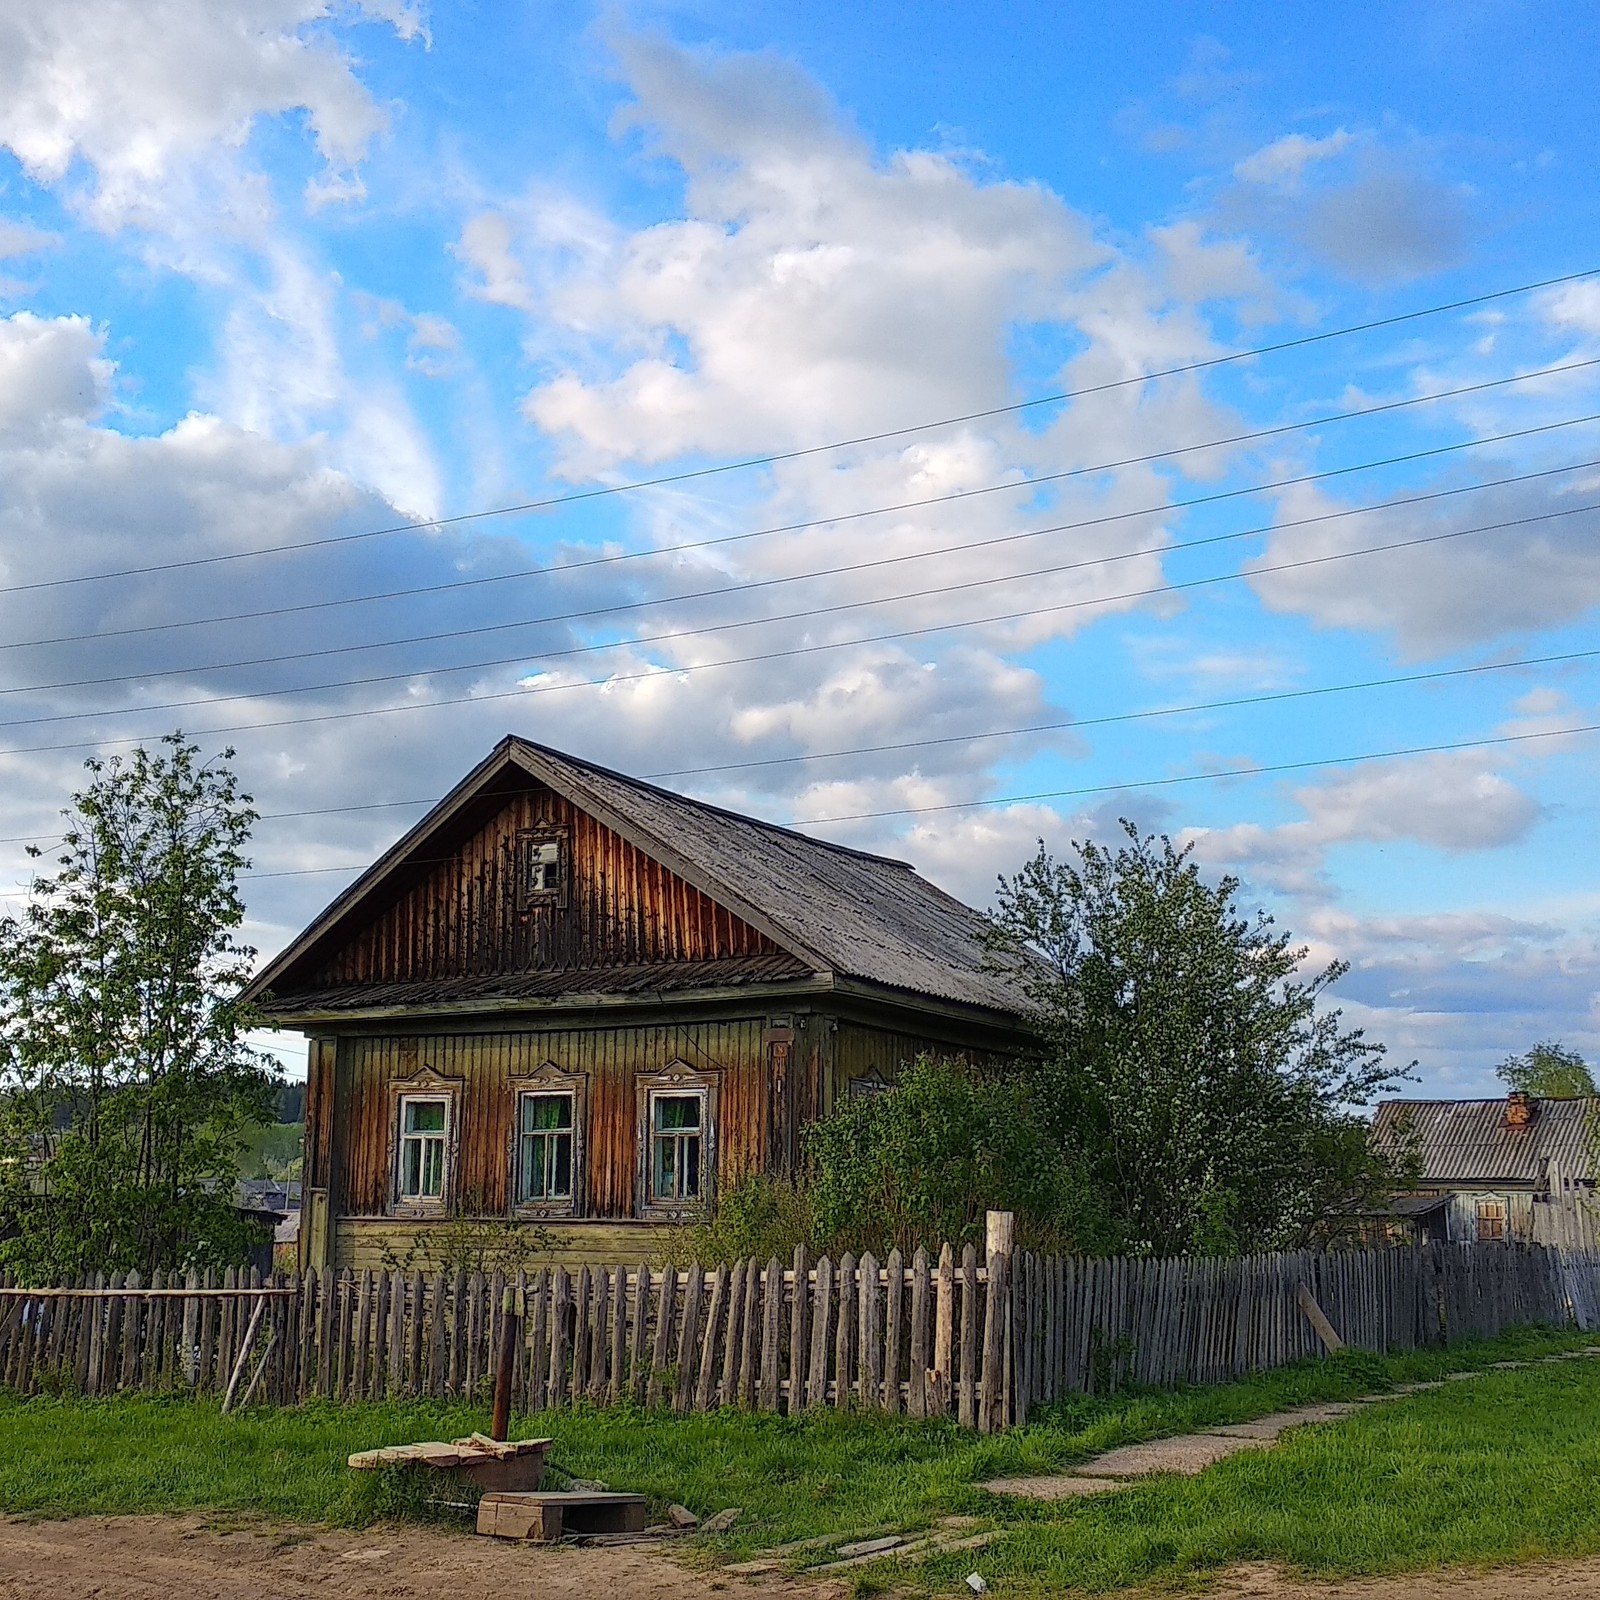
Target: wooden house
(1515, 1169)
(576, 999)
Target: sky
(934, 426)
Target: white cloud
(1282, 164)
(1525, 575)
(23, 239)
(140, 90)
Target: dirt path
(1544, 1580)
(190, 1558)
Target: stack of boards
(492, 1464)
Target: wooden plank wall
(468, 915)
(933, 1337)
(481, 1067)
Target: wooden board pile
(848, 1550)
(492, 1464)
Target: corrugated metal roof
(837, 910)
(568, 983)
(1468, 1142)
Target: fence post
(994, 1403)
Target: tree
(921, 1162)
(126, 1084)
(1192, 1074)
(1548, 1072)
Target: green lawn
(1501, 1468)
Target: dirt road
(190, 1558)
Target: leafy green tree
(1548, 1072)
(1201, 1089)
(126, 1085)
(921, 1162)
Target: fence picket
(799, 1330)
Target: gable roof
(1467, 1141)
(840, 911)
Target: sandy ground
(190, 1558)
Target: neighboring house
(1515, 1168)
(576, 999)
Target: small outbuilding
(1515, 1168)
(573, 999)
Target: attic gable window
(543, 867)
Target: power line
(551, 502)
(759, 584)
(1166, 508)
(973, 736)
(796, 616)
(1103, 788)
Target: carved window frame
(424, 1084)
(549, 1078)
(529, 839)
(676, 1078)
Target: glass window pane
(433, 1168)
(425, 1116)
(664, 1166)
(546, 1111)
(411, 1174)
(532, 1169)
(677, 1111)
(561, 1178)
(691, 1168)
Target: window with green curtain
(422, 1148)
(545, 1169)
(675, 1146)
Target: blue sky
(287, 273)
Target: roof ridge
(551, 752)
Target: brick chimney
(1519, 1109)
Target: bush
(756, 1216)
(922, 1162)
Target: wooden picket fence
(952, 1335)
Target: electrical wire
(423, 525)
(975, 735)
(1097, 788)
(796, 616)
(1166, 508)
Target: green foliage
(1201, 1089)
(920, 1164)
(1476, 1471)
(755, 1216)
(472, 1239)
(126, 1087)
(274, 1151)
(1548, 1072)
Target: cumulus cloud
(1540, 568)
(137, 92)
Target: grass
(1495, 1470)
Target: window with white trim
(424, 1149)
(677, 1128)
(546, 1147)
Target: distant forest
(292, 1103)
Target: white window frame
(678, 1081)
(532, 846)
(445, 1140)
(525, 1136)
(549, 1079)
(681, 1139)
